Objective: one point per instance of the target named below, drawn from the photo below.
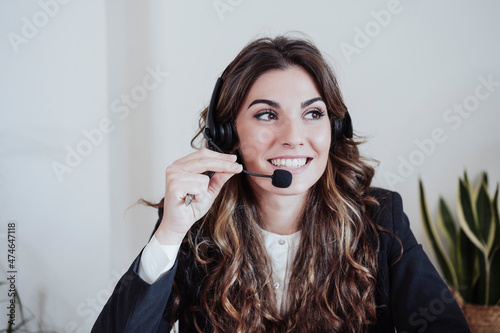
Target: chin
(265, 185)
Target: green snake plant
(468, 251)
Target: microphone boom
(280, 178)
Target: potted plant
(20, 323)
(468, 251)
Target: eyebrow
(265, 101)
(311, 101)
(277, 105)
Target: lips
(289, 162)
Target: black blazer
(411, 295)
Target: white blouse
(157, 259)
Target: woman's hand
(186, 176)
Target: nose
(292, 133)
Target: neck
(281, 214)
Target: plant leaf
(466, 266)
(495, 279)
(18, 298)
(444, 262)
(484, 178)
(496, 219)
(447, 225)
(484, 217)
(495, 254)
(466, 216)
(484, 279)
(466, 180)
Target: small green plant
(21, 322)
(470, 261)
(17, 302)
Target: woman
(326, 254)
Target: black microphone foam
(282, 178)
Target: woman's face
(283, 124)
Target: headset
(221, 137)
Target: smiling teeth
(289, 163)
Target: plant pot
(482, 318)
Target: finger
(217, 182)
(201, 165)
(180, 183)
(202, 188)
(196, 190)
(206, 153)
(205, 160)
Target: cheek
(323, 140)
(262, 136)
(252, 140)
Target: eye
(266, 115)
(314, 114)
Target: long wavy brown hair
(333, 276)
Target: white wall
(76, 234)
(53, 87)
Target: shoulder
(393, 226)
(389, 209)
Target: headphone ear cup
(337, 130)
(221, 135)
(225, 137)
(342, 127)
(347, 125)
